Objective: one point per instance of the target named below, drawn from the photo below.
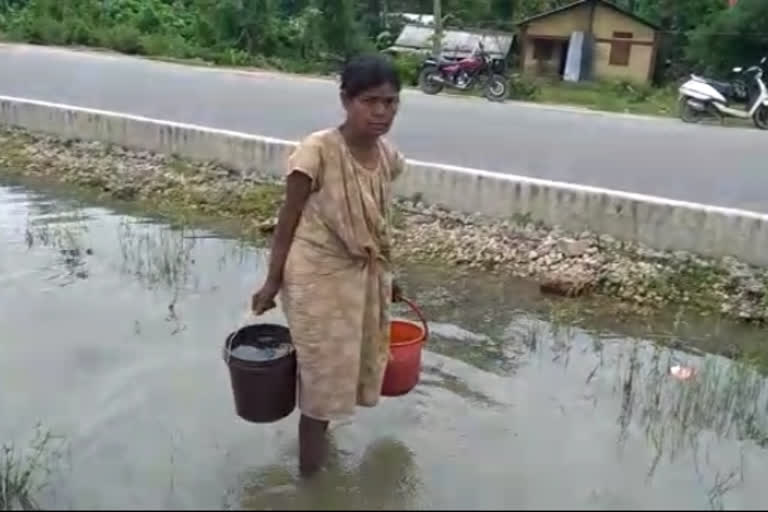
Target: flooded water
(111, 330)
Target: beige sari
(337, 281)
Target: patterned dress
(337, 281)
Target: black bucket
(264, 388)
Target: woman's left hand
(397, 293)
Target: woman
(330, 257)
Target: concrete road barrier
(660, 223)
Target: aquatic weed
(24, 474)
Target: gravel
(563, 263)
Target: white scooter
(701, 97)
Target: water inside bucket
(252, 353)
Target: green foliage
(295, 34)
(319, 34)
(124, 38)
(522, 87)
(738, 36)
(408, 67)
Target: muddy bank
(563, 263)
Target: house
(456, 43)
(589, 39)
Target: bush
(408, 66)
(78, 32)
(735, 37)
(123, 38)
(45, 30)
(166, 45)
(522, 87)
(634, 93)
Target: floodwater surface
(111, 330)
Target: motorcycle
(475, 71)
(703, 97)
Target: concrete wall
(638, 70)
(657, 222)
(606, 22)
(550, 67)
(561, 24)
(250, 154)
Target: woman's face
(371, 112)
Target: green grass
(24, 473)
(611, 97)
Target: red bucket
(406, 340)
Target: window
(620, 50)
(543, 49)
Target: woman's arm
(297, 189)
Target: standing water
(111, 329)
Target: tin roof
(455, 42)
(578, 3)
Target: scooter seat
(724, 88)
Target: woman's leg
(313, 445)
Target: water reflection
(64, 230)
(385, 478)
(521, 403)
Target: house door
(564, 47)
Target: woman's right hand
(264, 299)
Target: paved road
(705, 164)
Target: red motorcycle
(475, 71)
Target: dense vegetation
(307, 35)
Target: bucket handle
(417, 311)
(228, 347)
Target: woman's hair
(367, 71)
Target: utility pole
(437, 42)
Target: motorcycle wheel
(689, 114)
(761, 118)
(427, 85)
(496, 88)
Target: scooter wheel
(761, 118)
(689, 114)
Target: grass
(610, 96)
(23, 473)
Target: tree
(737, 36)
(676, 19)
(339, 28)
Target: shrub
(408, 66)
(166, 45)
(78, 32)
(522, 87)
(123, 38)
(634, 93)
(45, 30)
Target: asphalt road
(663, 157)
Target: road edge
(657, 222)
